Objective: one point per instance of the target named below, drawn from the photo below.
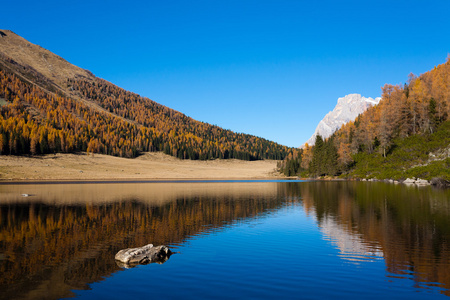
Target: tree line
(418, 107)
(114, 122)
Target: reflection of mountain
(48, 249)
(50, 245)
(410, 227)
(152, 193)
(352, 246)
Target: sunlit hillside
(49, 105)
(406, 134)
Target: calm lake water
(247, 240)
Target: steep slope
(43, 61)
(346, 109)
(50, 105)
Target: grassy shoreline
(149, 166)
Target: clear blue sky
(268, 68)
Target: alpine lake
(233, 240)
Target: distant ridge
(346, 110)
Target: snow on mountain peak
(346, 110)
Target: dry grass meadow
(147, 166)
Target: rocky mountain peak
(346, 110)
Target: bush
(409, 158)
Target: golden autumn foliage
(417, 108)
(99, 117)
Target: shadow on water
(66, 236)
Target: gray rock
(409, 181)
(422, 182)
(440, 182)
(143, 255)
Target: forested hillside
(53, 106)
(408, 130)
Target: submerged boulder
(143, 255)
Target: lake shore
(149, 166)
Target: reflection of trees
(50, 249)
(409, 225)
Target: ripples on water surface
(255, 240)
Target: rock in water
(409, 181)
(422, 182)
(440, 182)
(143, 255)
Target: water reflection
(154, 193)
(352, 246)
(66, 235)
(408, 226)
